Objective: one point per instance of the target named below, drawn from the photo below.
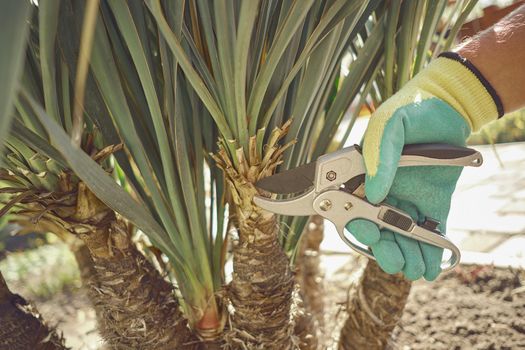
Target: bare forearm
(499, 54)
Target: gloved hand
(442, 104)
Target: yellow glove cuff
(447, 79)
(457, 85)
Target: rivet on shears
(325, 205)
(348, 206)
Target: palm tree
(47, 196)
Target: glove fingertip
(432, 257)
(414, 265)
(388, 256)
(377, 188)
(432, 274)
(366, 232)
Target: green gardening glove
(442, 104)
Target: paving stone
(512, 247)
(481, 241)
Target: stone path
(487, 218)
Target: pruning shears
(333, 187)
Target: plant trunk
(88, 275)
(84, 262)
(309, 320)
(309, 274)
(22, 327)
(374, 310)
(136, 307)
(306, 327)
(263, 283)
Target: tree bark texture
(309, 275)
(262, 284)
(137, 307)
(374, 310)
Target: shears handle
(341, 207)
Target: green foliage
(14, 18)
(510, 128)
(255, 65)
(416, 32)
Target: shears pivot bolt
(331, 175)
(325, 205)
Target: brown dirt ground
(472, 307)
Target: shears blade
(290, 181)
(297, 206)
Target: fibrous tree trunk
(309, 279)
(262, 284)
(306, 327)
(374, 309)
(309, 274)
(22, 327)
(85, 263)
(136, 306)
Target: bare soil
(474, 307)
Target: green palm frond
(14, 17)
(256, 65)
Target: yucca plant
(130, 296)
(248, 67)
(206, 98)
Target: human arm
(499, 54)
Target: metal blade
(290, 181)
(298, 206)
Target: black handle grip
(437, 150)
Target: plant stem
(139, 309)
(309, 275)
(262, 284)
(374, 310)
(136, 307)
